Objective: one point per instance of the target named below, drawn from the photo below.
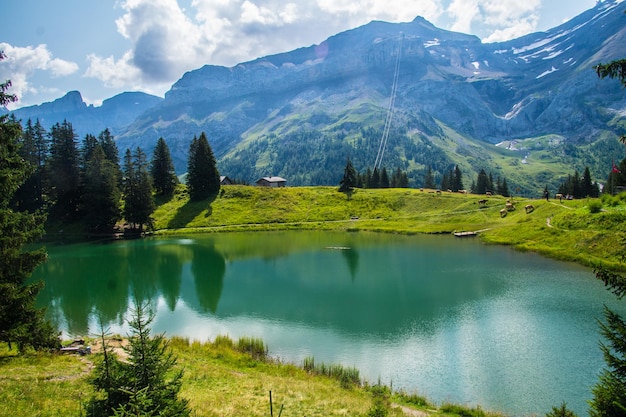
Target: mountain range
(396, 95)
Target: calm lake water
(448, 318)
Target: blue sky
(104, 47)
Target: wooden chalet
(271, 182)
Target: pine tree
(203, 179)
(576, 190)
(32, 148)
(503, 188)
(399, 179)
(457, 179)
(147, 384)
(348, 182)
(445, 182)
(101, 193)
(367, 178)
(375, 179)
(107, 142)
(429, 179)
(384, 178)
(403, 180)
(162, 170)
(137, 190)
(63, 171)
(20, 321)
(482, 182)
(586, 186)
(89, 145)
(609, 394)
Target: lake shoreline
(565, 230)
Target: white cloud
(395, 11)
(21, 63)
(167, 41)
(501, 19)
(520, 28)
(114, 73)
(464, 12)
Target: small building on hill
(271, 182)
(224, 180)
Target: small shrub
(381, 402)
(595, 206)
(611, 200)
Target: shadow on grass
(190, 211)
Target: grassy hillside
(219, 380)
(565, 229)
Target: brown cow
(529, 208)
(503, 213)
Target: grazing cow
(503, 213)
(482, 202)
(463, 191)
(560, 197)
(509, 207)
(488, 193)
(438, 192)
(529, 208)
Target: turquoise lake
(448, 318)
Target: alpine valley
(531, 110)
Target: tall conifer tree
(349, 180)
(64, 170)
(384, 178)
(21, 322)
(32, 148)
(162, 170)
(101, 193)
(137, 189)
(203, 178)
(429, 179)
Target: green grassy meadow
(220, 380)
(566, 230)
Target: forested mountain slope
(531, 110)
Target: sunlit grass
(587, 231)
(219, 380)
(41, 384)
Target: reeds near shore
(347, 376)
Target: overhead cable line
(385, 137)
